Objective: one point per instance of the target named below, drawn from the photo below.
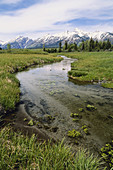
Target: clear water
(47, 90)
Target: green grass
(9, 85)
(93, 67)
(21, 152)
(24, 51)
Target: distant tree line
(88, 45)
(66, 47)
(53, 50)
(91, 45)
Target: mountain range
(53, 40)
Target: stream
(50, 97)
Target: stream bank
(57, 106)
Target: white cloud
(100, 27)
(43, 16)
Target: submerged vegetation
(74, 115)
(31, 123)
(85, 129)
(107, 153)
(74, 134)
(90, 107)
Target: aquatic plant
(90, 107)
(75, 120)
(25, 119)
(50, 117)
(74, 115)
(85, 129)
(31, 123)
(81, 109)
(52, 93)
(55, 91)
(107, 153)
(84, 126)
(74, 134)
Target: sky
(35, 18)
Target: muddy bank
(20, 122)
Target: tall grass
(9, 85)
(19, 152)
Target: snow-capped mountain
(19, 42)
(53, 40)
(71, 37)
(101, 36)
(1, 43)
(95, 35)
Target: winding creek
(50, 97)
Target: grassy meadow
(20, 152)
(24, 51)
(93, 67)
(9, 85)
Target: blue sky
(34, 18)
(13, 6)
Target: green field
(23, 51)
(93, 67)
(9, 85)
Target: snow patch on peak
(2, 42)
(96, 35)
(79, 32)
(19, 37)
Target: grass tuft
(85, 161)
(21, 152)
